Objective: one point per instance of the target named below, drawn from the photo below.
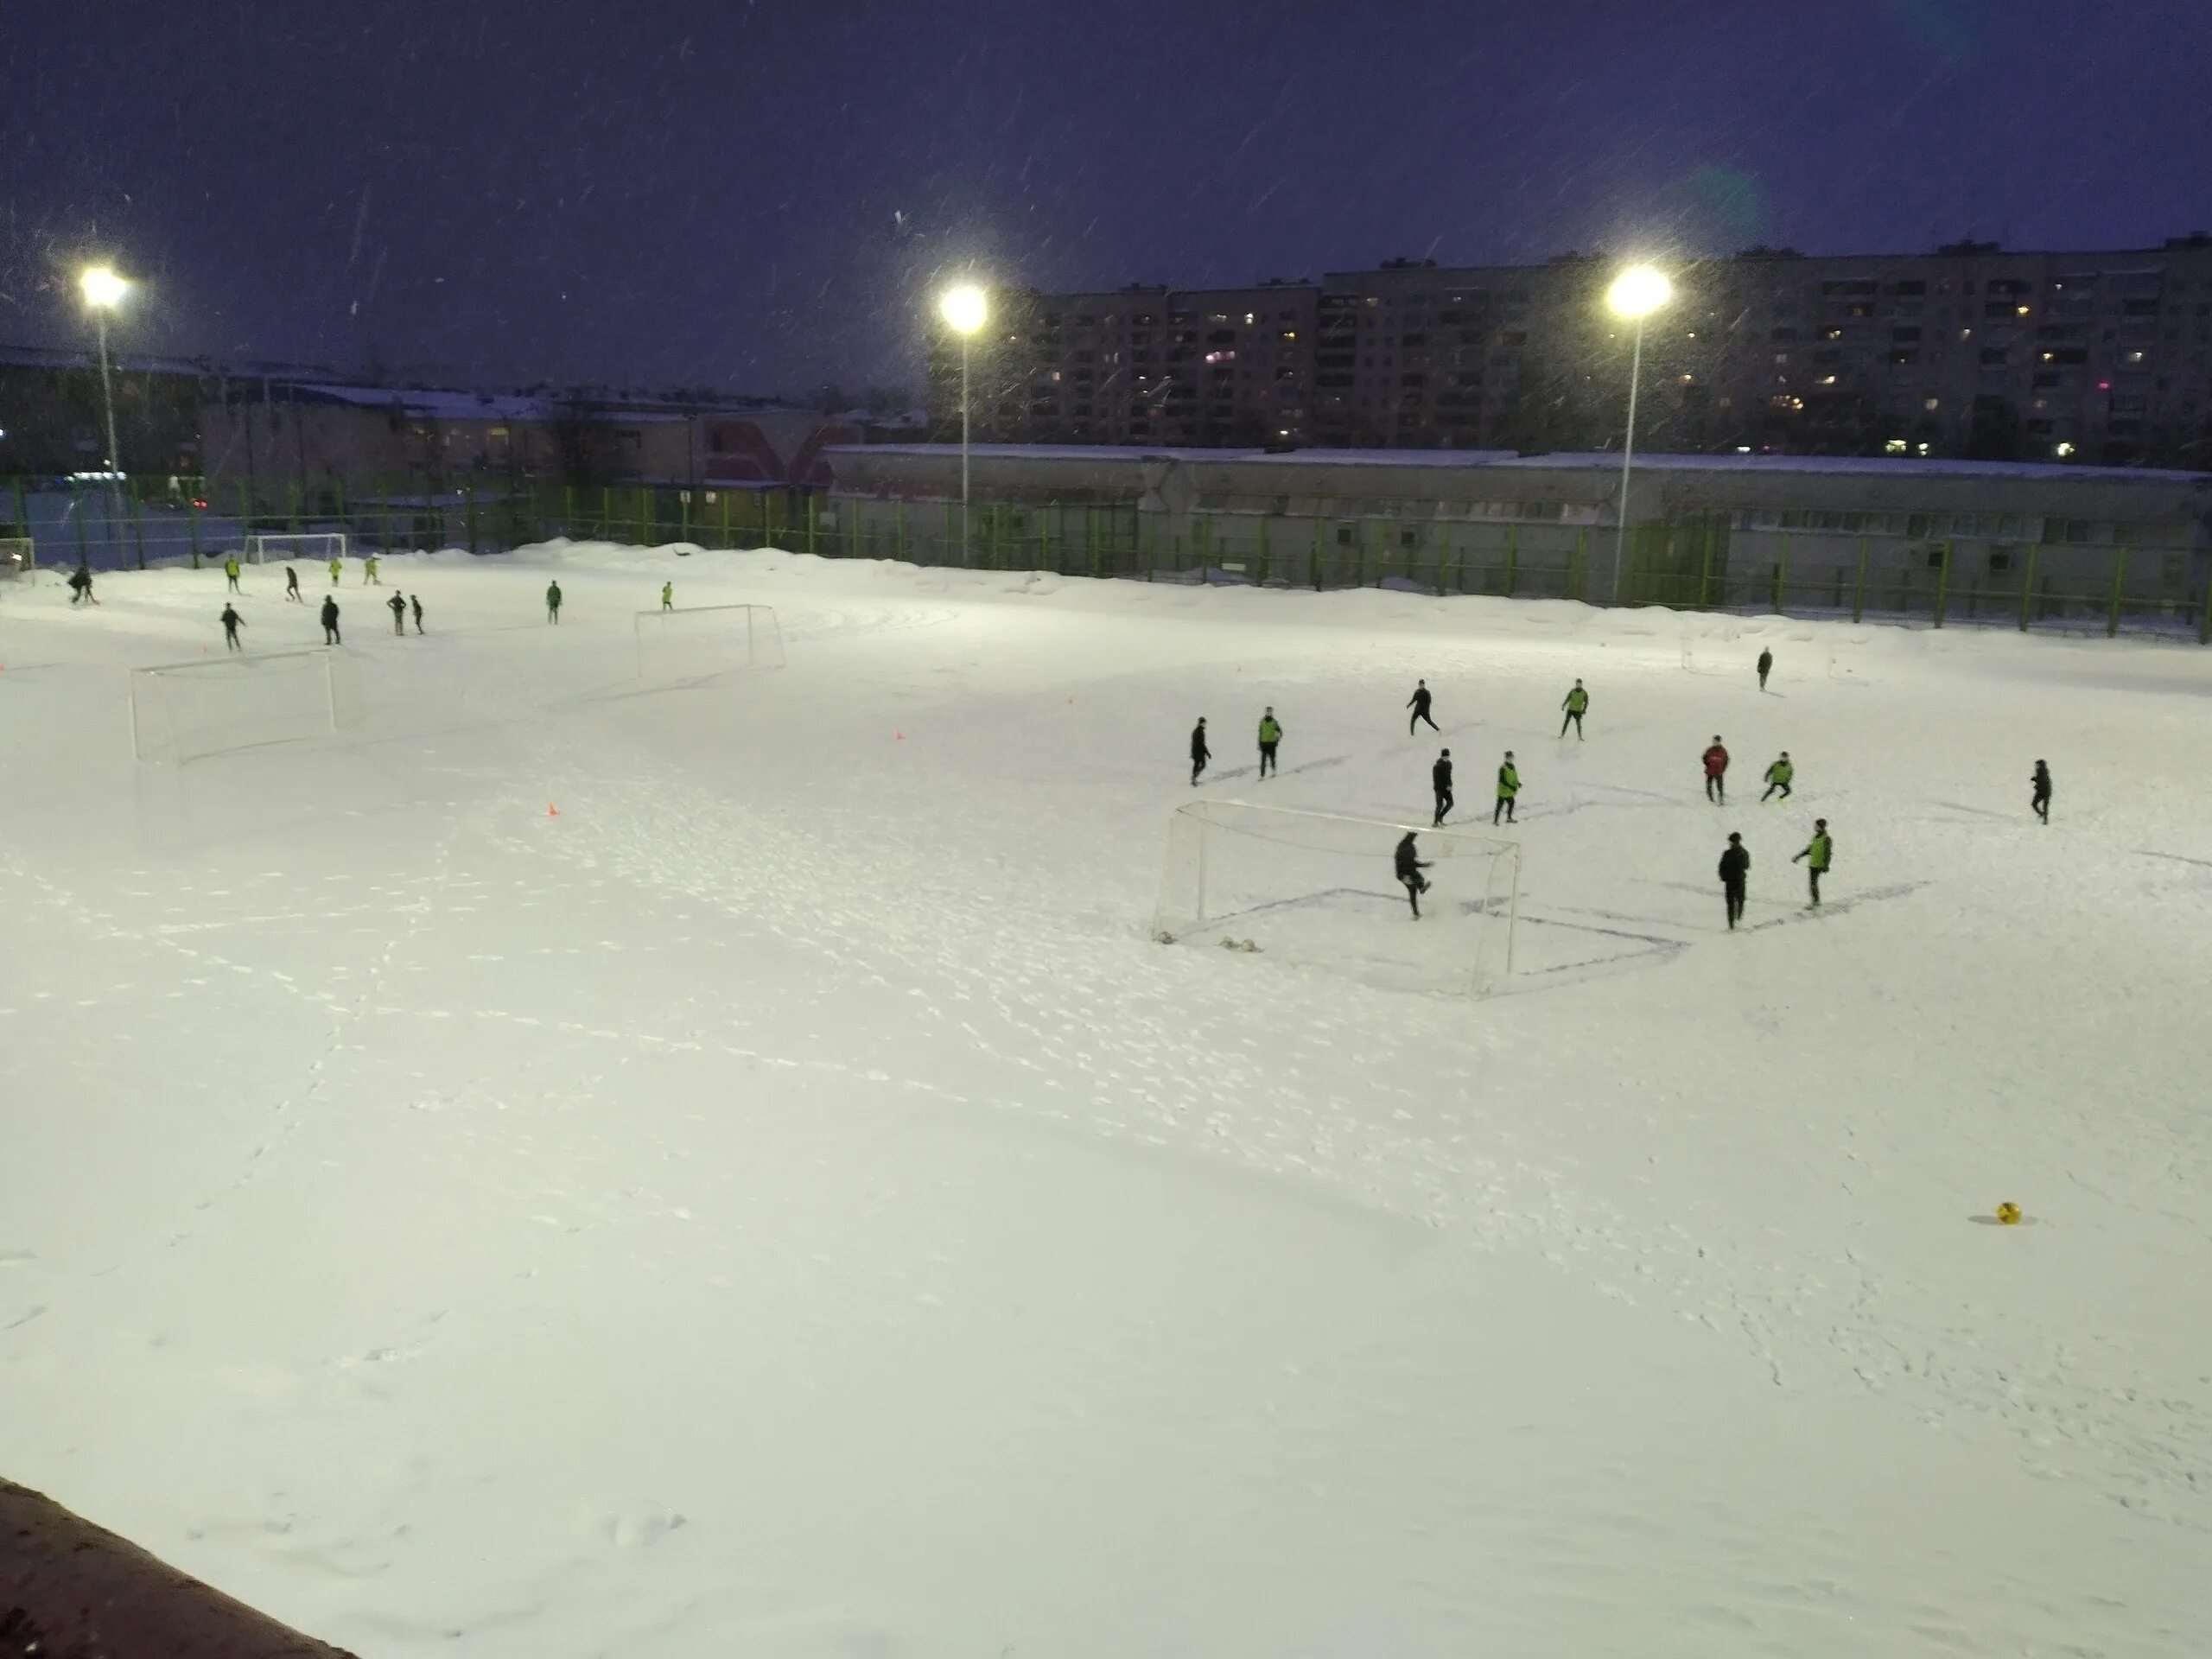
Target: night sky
(759, 197)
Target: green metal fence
(1699, 564)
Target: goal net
(309, 547)
(18, 556)
(699, 642)
(1320, 890)
(188, 710)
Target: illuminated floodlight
(103, 288)
(964, 308)
(1638, 291)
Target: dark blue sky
(758, 196)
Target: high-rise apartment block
(1970, 351)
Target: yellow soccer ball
(2009, 1213)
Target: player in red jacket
(1716, 773)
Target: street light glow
(1638, 291)
(964, 308)
(103, 289)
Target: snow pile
(571, 1168)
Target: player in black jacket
(1735, 868)
(1410, 866)
(1199, 753)
(1439, 776)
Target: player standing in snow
(2041, 799)
(230, 572)
(1778, 776)
(369, 572)
(330, 621)
(1199, 753)
(668, 595)
(1716, 773)
(337, 569)
(1419, 703)
(1409, 867)
(397, 605)
(1270, 734)
(415, 600)
(1819, 853)
(1735, 872)
(231, 620)
(292, 587)
(1577, 701)
(1766, 665)
(1439, 777)
(553, 603)
(1508, 786)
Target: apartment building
(1969, 351)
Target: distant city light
(103, 288)
(2023, 311)
(1638, 291)
(964, 308)
(2061, 450)
(1894, 447)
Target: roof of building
(1596, 460)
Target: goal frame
(140, 676)
(643, 624)
(1503, 852)
(257, 545)
(18, 556)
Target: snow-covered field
(573, 1169)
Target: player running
(1200, 753)
(668, 595)
(1419, 703)
(1270, 734)
(415, 602)
(232, 622)
(1410, 866)
(1439, 779)
(292, 587)
(553, 603)
(1578, 701)
(1766, 665)
(330, 621)
(2041, 799)
(1819, 854)
(1716, 773)
(1508, 786)
(80, 585)
(1778, 776)
(369, 572)
(1735, 872)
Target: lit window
(1894, 447)
(1931, 403)
(2062, 451)
(1251, 317)
(1824, 380)
(2022, 311)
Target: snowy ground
(784, 1204)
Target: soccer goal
(699, 642)
(309, 547)
(188, 710)
(1320, 890)
(18, 556)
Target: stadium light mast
(1635, 295)
(964, 309)
(104, 291)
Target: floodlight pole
(1628, 457)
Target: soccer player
(80, 585)
(553, 603)
(2041, 799)
(1819, 853)
(668, 595)
(1716, 773)
(415, 600)
(1766, 665)
(1778, 776)
(1508, 786)
(1419, 703)
(1439, 777)
(230, 621)
(397, 605)
(230, 572)
(292, 587)
(1735, 871)
(1270, 734)
(330, 621)
(1199, 753)
(337, 569)
(1410, 866)
(369, 572)
(1578, 701)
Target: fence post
(2204, 621)
(1858, 591)
(77, 517)
(2119, 581)
(853, 534)
(813, 520)
(1577, 564)
(2027, 586)
(137, 523)
(1781, 572)
(468, 511)
(191, 526)
(1359, 553)
(1942, 583)
(1263, 551)
(292, 505)
(1316, 571)
(899, 528)
(1512, 558)
(683, 515)
(1705, 572)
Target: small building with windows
(1859, 536)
